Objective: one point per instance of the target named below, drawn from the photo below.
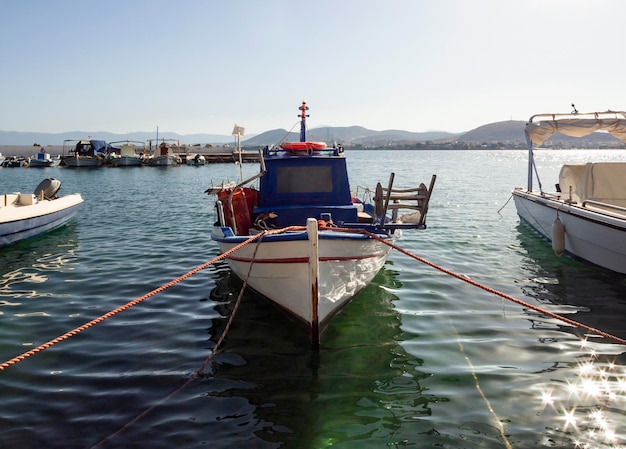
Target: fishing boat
(319, 246)
(24, 215)
(43, 159)
(124, 153)
(84, 153)
(164, 152)
(585, 216)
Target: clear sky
(200, 66)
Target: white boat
(320, 245)
(586, 214)
(84, 153)
(43, 159)
(24, 215)
(125, 153)
(164, 152)
(196, 159)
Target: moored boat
(320, 246)
(125, 153)
(24, 215)
(586, 214)
(43, 159)
(84, 153)
(164, 152)
(196, 159)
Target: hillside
(509, 134)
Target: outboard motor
(49, 187)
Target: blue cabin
(300, 185)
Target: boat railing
(602, 205)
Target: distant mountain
(350, 135)
(29, 138)
(509, 131)
(509, 134)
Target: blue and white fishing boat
(24, 215)
(320, 245)
(43, 159)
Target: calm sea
(419, 359)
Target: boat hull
(125, 161)
(590, 235)
(163, 161)
(82, 161)
(34, 163)
(21, 222)
(281, 271)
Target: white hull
(20, 220)
(196, 160)
(35, 163)
(125, 161)
(591, 235)
(82, 161)
(163, 161)
(281, 272)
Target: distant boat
(84, 153)
(196, 159)
(163, 152)
(586, 215)
(44, 159)
(15, 161)
(323, 245)
(24, 215)
(124, 153)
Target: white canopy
(576, 127)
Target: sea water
(419, 359)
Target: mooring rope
(204, 364)
(489, 289)
(128, 305)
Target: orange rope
(491, 290)
(128, 305)
(206, 361)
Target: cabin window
(304, 179)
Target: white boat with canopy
(586, 214)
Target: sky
(200, 66)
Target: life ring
(302, 146)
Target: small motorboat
(586, 214)
(43, 159)
(320, 245)
(24, 215)
(196, 160)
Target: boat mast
(303, 116)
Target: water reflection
(28, 264)
(584, 400)
(591, 295)
(365, 385)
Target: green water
(419, 359)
